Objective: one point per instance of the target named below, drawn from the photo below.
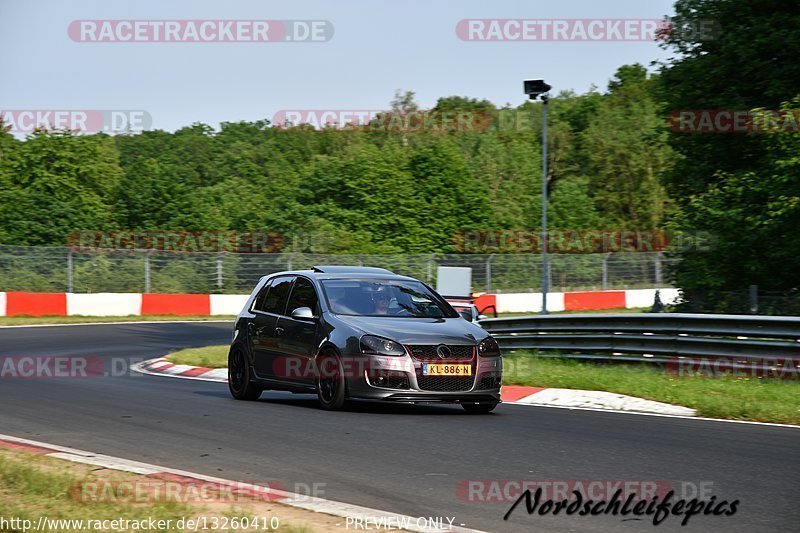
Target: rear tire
(239, 380)
(331, 385)
(479, 408)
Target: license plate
(429, 369)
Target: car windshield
(391, 298)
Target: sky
(377, 47)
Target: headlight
(489, 348)
(380, 346)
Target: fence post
(289, 262)
(605, 270)
(658, 269)
(430, 270)
(69, 271)
(147, 272)
(219, 271)
(489, 273)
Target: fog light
(388, 379)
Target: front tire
(479, 408)
(239, 380)
(331, 386)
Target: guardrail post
(754, 299)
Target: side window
(258, 304)
(303, 295)
(275, 301)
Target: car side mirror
(303, 313)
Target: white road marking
(300, 501)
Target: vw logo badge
(443, 351)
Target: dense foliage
(367, 190)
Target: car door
(254, 325)
(299, 340)
(265, 332)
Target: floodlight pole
(535, 89)
(545, 263)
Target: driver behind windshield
(381, 300)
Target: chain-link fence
(53, 269)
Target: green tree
(55, 183)
(729, 54)
(626, 152)
(753, 217)
(742, 188)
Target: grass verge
(42, 320)
(208, 356)
(737, 398)
(34, 486)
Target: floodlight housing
(535, 88)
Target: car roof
(342, 272)
(345, 269)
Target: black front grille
(427, 352)
(458, 352)
(445, 383)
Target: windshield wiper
(410, 310)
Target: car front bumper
(362, 387)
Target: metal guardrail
(668, 335)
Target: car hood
(417, 330)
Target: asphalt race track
(403, 459)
